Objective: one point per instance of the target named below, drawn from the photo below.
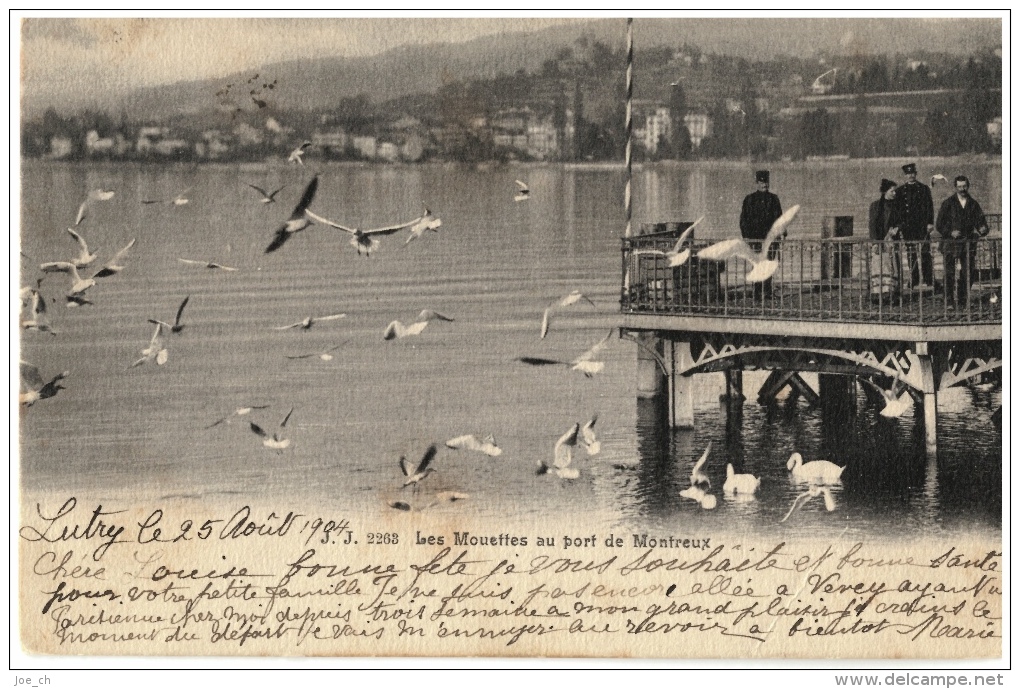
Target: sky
(58, 52)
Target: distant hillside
(320, 83)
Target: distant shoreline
(969, 159)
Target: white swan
(700, 496)
(698, 477)
(762, 266)
(812, 492)
(897, 399)
(819, 471)
(745, 484)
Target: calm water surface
(494, 267)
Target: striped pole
(627, 202)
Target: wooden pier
(842, 308)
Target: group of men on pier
(905, 212)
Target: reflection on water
(494, 266)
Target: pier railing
(842, 279)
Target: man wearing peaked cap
(917, 221)
(760, 210)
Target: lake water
(494, 266)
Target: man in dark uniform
(760, 210)
(961, 222)
(917, 221)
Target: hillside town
(689, 105)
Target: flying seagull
(240, 411)
(362, 240)
(177, 325)
(93, 196)
(762, 266)
(585, 363)
(267, 196)
(396, 329)
(523, 193)
(156, 351)
(297, 220)
(324, 355)
(179, 200)
(308, 322)
(562, 302)
(275, 441)
(85, 256)
(674, 257)
(426, 223)
(35, 304)
(79, 284)
(588, 439)
(207, 264)
(430, 315)
(296, 156)
(469, 442)
(416, 474)
(34, 388)
(562, 456)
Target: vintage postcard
(671, 338)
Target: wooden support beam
(651, 379)
(776, 381)
(800, 385)
(838, 394)
(681, 388)
(930, 404)
(734, 385)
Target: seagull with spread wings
(562, 456)
(416, 474)
(35, 305)
(267, 196)
(156, 351)
(34, 388)
(324, 355)
(179, 200)
(240, 411)
(563, 302)
(523, 192)
(363, 240)
(93, 196)
(308, 322)
(762, 267)
(426, 223)
(177, 325)
(274, 441)
(298, 219)
(85, 256)
(79, 284)
(469, 442)
(585, 363)
(208, 264)
(674, 257)
(297, 155)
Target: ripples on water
(494, 266)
